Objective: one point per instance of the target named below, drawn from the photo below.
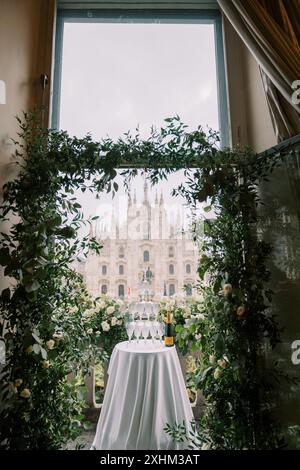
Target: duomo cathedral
(146, 246)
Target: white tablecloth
(145, 390)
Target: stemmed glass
(138, 330)
(160, 330)
(129, 325)
(145, 330)
(153, 329)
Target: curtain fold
(271, 31)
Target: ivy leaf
(4, 256)
(33, 286)
(5, 295)
(219, 343)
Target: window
(104, 289)
(193, 87)
(146, 256)
(188, 269)
(121, 269)
(104, 269)
(121, 252)
(171, 251)
(171, 289)
(171, 269)
(189, 290)
(121, 290)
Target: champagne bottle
(169, 335)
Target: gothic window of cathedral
(121, 252)
(146, 256)
(121, 290)
(171, 289)
(104, 289)
(104, 269)
(188, 269)
(171, 269)
(189, 290)
(171, 251)
(121, 269)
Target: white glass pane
(118, 76)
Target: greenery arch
(39, 406)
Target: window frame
(121, 284)
(173, 289)
(171, 269)
(179, 15)
(148, 256)
(104, 269)
(106, 288)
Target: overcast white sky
(116, 76)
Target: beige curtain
(271, 31)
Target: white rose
(227, 289)
(105, 326)
(50, 344)
(114, 321)
(25, 393)
(200, 316)
(110, 310)
(87, 314)
(198, 336)
(205, 446)
(212, 359)
(188, 310)
(97, 333)
(90, 331)
(119, 322)
(73, 309)
(222, 363)
(217, 373)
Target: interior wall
(250, 119)
(26, 29)
(26, 38)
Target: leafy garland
(38, 404)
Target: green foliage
(47, 300)
(105, 323)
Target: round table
(145, 391)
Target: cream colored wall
(26, 31)
(26, 28)
(248, 109)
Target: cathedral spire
(129, 199)
(145, 191)
(161, 200)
